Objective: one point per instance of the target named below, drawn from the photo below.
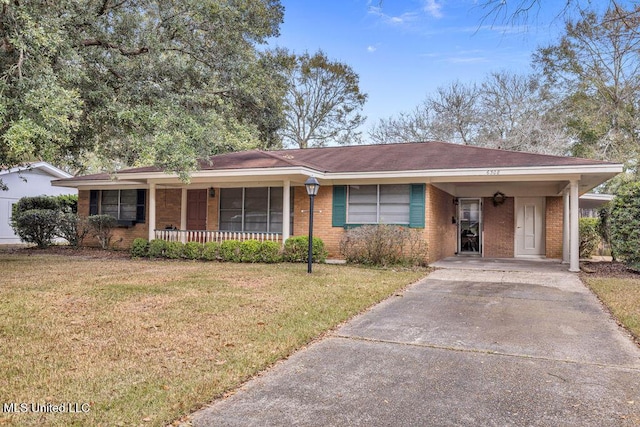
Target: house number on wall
(493, 172)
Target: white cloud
(371, 49)
(466, 59)
(433, 8)
(403, 19)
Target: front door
(469, 226)
(530, 226)
(196, 209)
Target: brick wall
(83, 202)
(168, 202)
(122, 236)
(553, 220)
(440, 230)
(498, 223)
(323, 207)
(169, 206)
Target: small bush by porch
(295, 250)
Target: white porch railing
(204, 236)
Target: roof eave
(433, 175)
(137, 178)
(491, 173)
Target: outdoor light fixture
(212, 192)
(312, 186)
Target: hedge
(249, 251)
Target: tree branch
(105, 6)
(122, 50)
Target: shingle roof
(372, 158)
(422, 156)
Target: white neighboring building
(32, 180)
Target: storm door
(469, 226)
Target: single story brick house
(467, 200)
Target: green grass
(148, 342)
(622, 297)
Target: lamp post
(312, 186)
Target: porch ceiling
(531, 188)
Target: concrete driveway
(485, 343)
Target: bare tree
(323, 102)
(517, 116)
(415, 126)
(456, 115)
(595, 69)
(506, 111)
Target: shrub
(624, 224)
(72, 228)
(102, 228)
(37, 202)
(249, 251)
(140, 248)
(384, 245)
(192, 250)
(296, 249)
(604, 226)
(157, 248)
(211, 251)
(37, 226)
(589, 236)
(174, 250)
(269, 252)
(68, 202)
(230, 250)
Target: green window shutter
(93, 202)
(416, 206)
(140, 205)
(339, 213)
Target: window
(124, 205)
(257, 210)
(378, 204)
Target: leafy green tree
(323, 101)
(595, 70)
(132, 82)
(624, 224)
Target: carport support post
(152, 210)
(574, 253)
(566, 225)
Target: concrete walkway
(494, 344)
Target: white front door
(530, 226)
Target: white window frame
(118, 217)
(377, 205)
(242, 209)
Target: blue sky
(405, 49)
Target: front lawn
(148, 342)
(619, 290)
(622, 297)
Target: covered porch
(215, 210)
(532, 217)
